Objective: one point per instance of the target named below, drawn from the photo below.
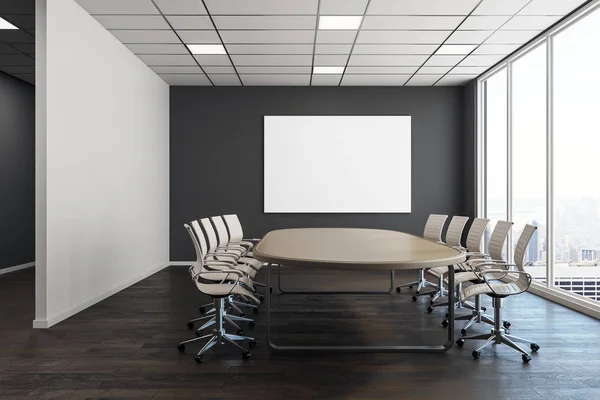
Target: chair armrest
(233, 271)
(500, 266)
(504, 274)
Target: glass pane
(529, 155)
(576, 145)
(496, 149)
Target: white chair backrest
(433, 227)
(455, 230)
(197, 266)
(475, 236)
(211, 235)
(522, 244)
(236, 234)
(222, 236)
(197, 230)
(498, 239)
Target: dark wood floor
(124, 348)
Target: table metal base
(362, 349)
(390, 290)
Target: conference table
(360, 250)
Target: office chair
(500, 281)
(471, 274)
(433, 231)
(474, 250)
(453, 238)
(236, 233)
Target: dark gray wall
(216, 152)
(470, 146)
(17, 171)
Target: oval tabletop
(353, 248)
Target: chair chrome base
(420, 283)
(478, 316)
(499, 335)
(218, 334)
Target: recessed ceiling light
(456, 49)
(4, 24)
(207, 48)
(328, 70)
(340, 22)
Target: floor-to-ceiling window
(548, 147)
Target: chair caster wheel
(506, 324)
(463, 332)
(417, 292)
(246, 355)
(534, 347)
(429, 309)
(198, 333)
(202, 310)
(483, 309)
(476, 354)
(270, 290)
(181, 348)
(432, 303)
(431, 295)
(240, 332)
(398, 289)
(447, 315)
(198, 359)
(460, 342)
(242, 315)
(261, 298)
(410, 287)
(190, 325)
(255, 310)
(251, 324)
(445, 323)
(526, 358)
(252, 343)
(414, 298)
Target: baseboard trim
(566, 299)
(17, 268)
(55, 319)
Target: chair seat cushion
(503, 289)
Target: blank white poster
(337, 164)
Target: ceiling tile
(483, 22)
(480, 60)
(276, 80)
(423, 80)
(132, 21)
(455, 80)
(21, 21)
(456, 49)
(342, 7)
(16, 59)
(331, 36)
(529, 22)
(186, 79)
(333, 48)
(511, 37)
(274, 69)
(189, 7)
(443, 61)
(496, 49)
(550, 7)
(272, 59)
(270, 48)
(381, 70)
(500, 7)
(468, 37)
(386, 60)
(195, 22)
(176, 69)
(212, 59)
(403, 22)
(146, 48)
(263, 22)
(421, 7)
(225, 79)
(190, 37)
(467, 70)
(118, 6)
(326, 80)
(218, 69)
(268, 36)
(261, 7)
(394, 49)
(374, 80)
(434, 70)
(147, 36)
(402, 37)
(167, 59)
(326, 60)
